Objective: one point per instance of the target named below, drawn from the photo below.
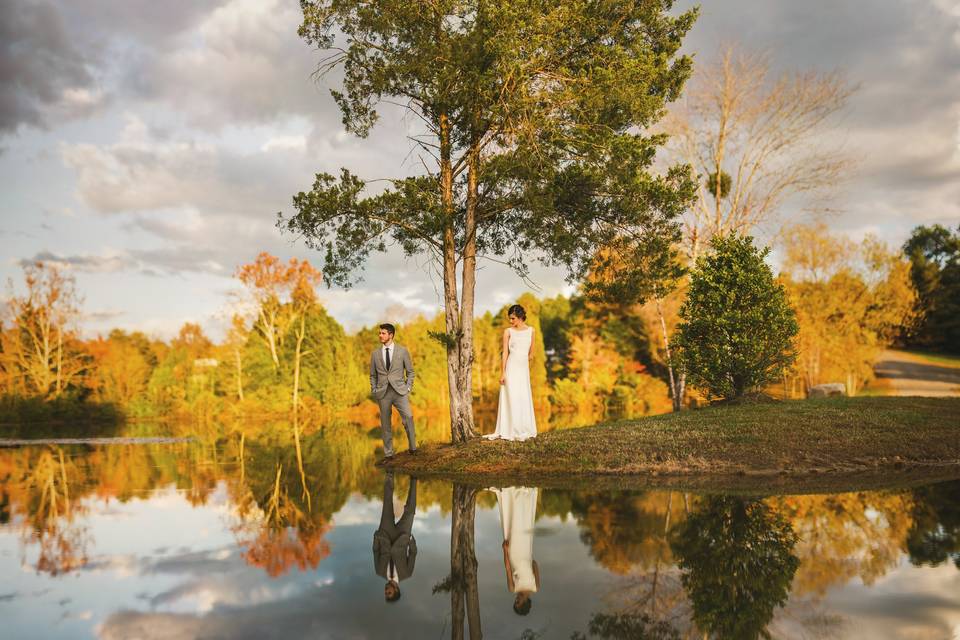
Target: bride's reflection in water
(518, 511)
(394, 547)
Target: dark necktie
(388, 358)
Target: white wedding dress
(518, 512)
(515, 417)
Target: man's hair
(389, 328)
(524, 608)
(395, 596)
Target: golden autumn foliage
(850, 300)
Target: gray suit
(393, 541)
(391, 389)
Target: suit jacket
(400, 376)
(403, 551)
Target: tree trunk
(676, 386)
(59, 384)
(469, 288)
(464, 593)
(296, 362)
(239, 362)
(461, 406)
(268, 330)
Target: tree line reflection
(688, 564)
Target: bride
(515, 418)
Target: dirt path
(910, 375)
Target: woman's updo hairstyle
(517, 310)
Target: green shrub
(737, 328)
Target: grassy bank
(799, 443)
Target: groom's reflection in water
(518, 512)
(394, 548)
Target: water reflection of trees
(285, 497)
(844, 536)
(461, 583)
(722, 563)
(282, 505)
(831, 538)
(39, 490)
(627, 626)
(737, 561)
(934, 536)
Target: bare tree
(754, 140)
(44, 317)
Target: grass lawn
(757, 443)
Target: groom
(391, 379)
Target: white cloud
(285, 143)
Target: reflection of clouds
(358, 511)
(122, 566)
(909, 602)
(205, 594)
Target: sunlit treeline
(284, 351)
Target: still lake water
(236, 538)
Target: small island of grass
(803, 444)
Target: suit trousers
(402, 402)
(405, 524)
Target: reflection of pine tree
(627, 626)
(738, 563)
(935, 536)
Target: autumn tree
(121, 367)
(43, 349)
(487, 343)
(284, 295)
(267, 281)
(534, 142)
(851, 300)
(303, 297)
(233, 344)
(755, 141)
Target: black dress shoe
(414, 452)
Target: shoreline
(861, 442)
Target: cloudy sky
(149, 145)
